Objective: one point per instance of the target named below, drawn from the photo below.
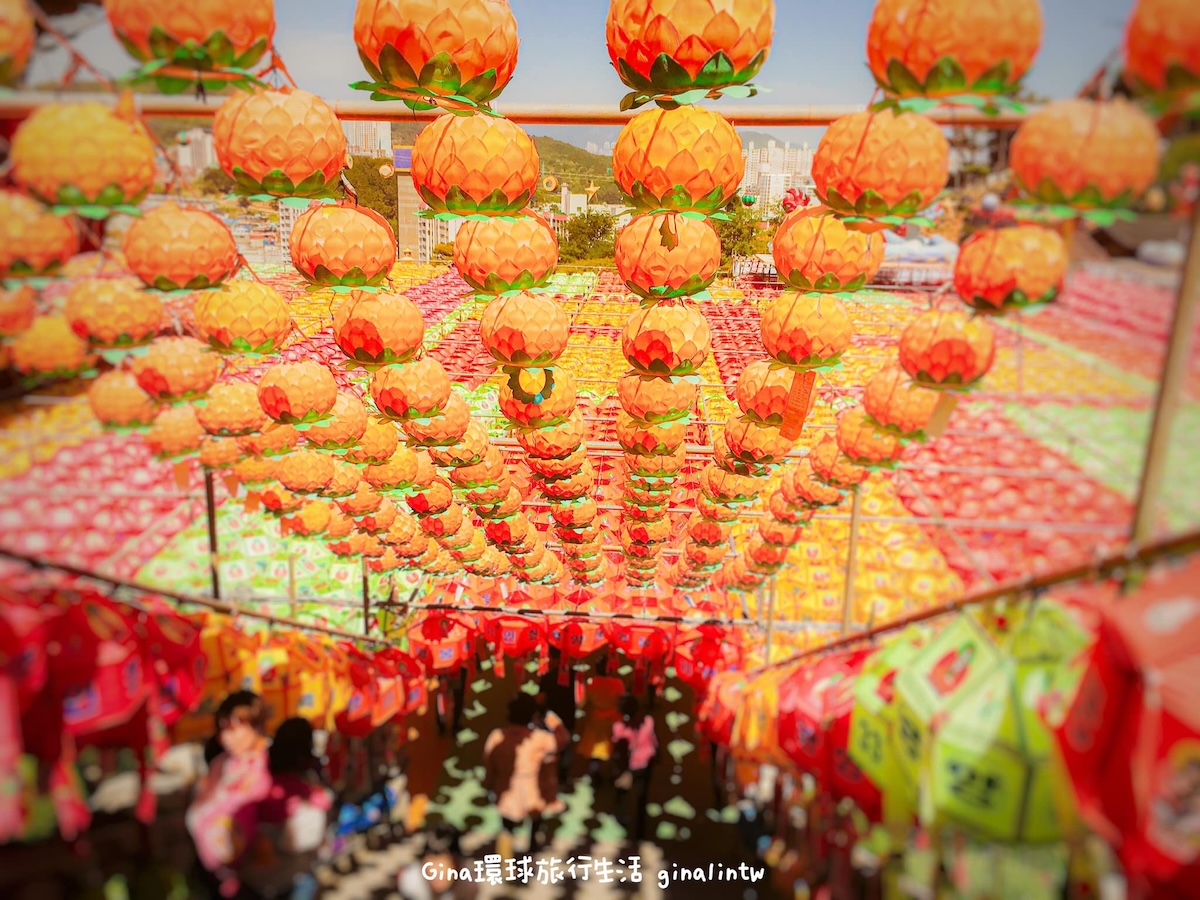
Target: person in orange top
(600, 704)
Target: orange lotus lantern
(498, 255)
(113, 312)
(726, 487)
(806, 331)
(364, 501)
(667, 255)
(708, 532)
(273, 440)
(950, 48)
(663, 466)
(231, 409)
(253, 471)
(947, 349)
(414, 390)
(175, 432)
(437, 497)
(428, 54)
(194, 38)
(550, 401)
(345, 481)
(762, 392)
(379, 329)
(17, 37)
(754, 443)
(570, 487)
(683, 160)
(280, 143)
(466, 452)
(815, 251)
(554, 441)
(174, 247)
(305, 471)
(669, 338)
(863, 442)
(33, 241)
(1010, 268)
(342, 246)
(881, 166)
(524, 330)
(832, 467)
(1086, 154)
(489, 470)
(311, 519)
(340, 525)
(800, 487)
(118, 402)
(278, 501)
(897, 404)
(116, 174)
(218, 453)
(468, 165)
(659, 439)
(1162, 51)
(550, 467)
(297, 392)
(176, 368)
(656, 398)
(443, 429)
(243, 317)
(779, 532)
(377, 444)
(343, 429)
(671, 47)
(572, 513)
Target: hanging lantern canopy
(345, 481)
(442, 430)
(219, 34)
(498, 255)
(305, 471)
(18, 35)
(669, 338)
(947, 349)
(881, 166)
(524, 330)
(762, 392)
(376, 445)
(554, 441)
(832, 467)
(468, 165)
(342, 246)
(656, 398)
(1086, 154)
(952, 49)
(379, 328)
(667, 255)
(345, 426)
(175, 247)
(273, 440)
(218, 453)
(117, 401)
(231, 409)
(176, 368)
(683, 160)
(1010, 268)
(429, 55)
(553, 401)
(116, 174)
(310, 520)
(806, 331)
(34, 242)
(898, 404)
(297, 392)
(863, 442)
(754, 443)
(243, 317)
(815, 251)
(646, 439)
(1162, 52)
(418, 389)
(281, 142)
(112, 312)
(175, 432)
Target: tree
(374, 191)
(213, 182)
(589, 236)
(742, 234)
(443, 251)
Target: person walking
(557, 695)
(433, 876)
(635, 749)
(513, 759)
(602, 695)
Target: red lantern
(442, 642)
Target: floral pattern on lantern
(806, 331)
(176, 368)
(418, 389)
(947, 349)
(378, 329)
(112, 312)
(231, 410)
(475, 165)
(1010, 268)
(815, 251)
(897, 404)
(243, 317)
(504, 254)
(669, 338)
(667, 255)
(342, 246)
(176, 247)
(297, 392)
(117, 401)
(524, 330)
(34, 242)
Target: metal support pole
(770, 619)
(1170, 387)
(366, 584)
(210, 503)
(291, 581)
(851, 562)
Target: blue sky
(818, 56)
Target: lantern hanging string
(1115, 565)
(231, 609)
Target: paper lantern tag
(252, 502)
(183, 475)
(231, 484)
(798, 405)
(941, 415)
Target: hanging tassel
(498, 667)
(66, 794)
(543, 661)
(12, 811)
(639, 677)
(564, 671)
(579, 690)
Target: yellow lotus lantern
(881, 167)
(683, 160)
(815, 251)
(280, 143)
(418, 389)
(426, 53)
(804, 330)
(345, 481)
(342, 246)
(231, 410)
(176, 368)
(113, 312)
(669, 338)
(395, 473)
(34, 242)
(117, 401)
(311, 519)
(175, 247)
(176, 432)
(297, 392)
(947, 349)
(667, 255)
(17, 37)
(345, 426)
(114, 175)
(468, 165)
(1010, 268)
(1162, 52)
(524, 330)
(687, 49)
(498, 255)
(243, 317)
(378, 329)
